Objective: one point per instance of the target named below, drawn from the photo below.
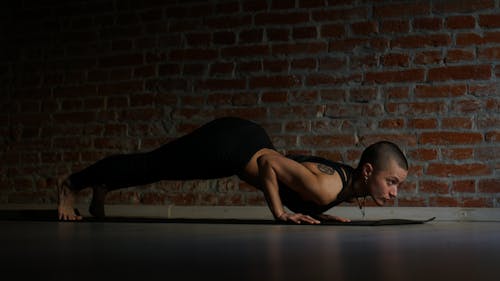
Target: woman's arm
(275, 168)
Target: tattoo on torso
(326, 169)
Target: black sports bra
(295, 203)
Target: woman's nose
(393, 192)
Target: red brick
(428, 57)
(392, 124)
(193, 69)
(76, 91)
(347, 44)
(484, 90)
(364, 28)
(228, 22)
(332, 31)
(197, 39)
(493, 136)
(443, 201)
(489, 186)
(421, 123)
(406, 201)
(401, 10)
(297, 127)
(465, 39)
(281, 18)
(336, 95)
(362, 95)
(462, 6)
(401, 139)
(489, 21)
(307, 32)
(221, 68)
(460, 22)
(492, 53)
(193, 54)
(278, 34)
(282, 4)
(457, 153)
(275, 82)
(412, 75)
(227, 8)
(322, 15)
(224, 38)
(487, 153)
(492, 37)
(397, 93)
(474, 72)
(300, 48)
(332, 63)
(396, 59)
(222, 84)
(459, 55)
(120, 88)
(274, 97)
(250, 66)
(464, 186)
(440, 91)
(456, 123)
(447, 170)
(276, 65)
(428, 23)
(327, 141)
(477, 202)
(121, 60)
(433, 187)
(311, 3)
(144, 72)
(254, 5)
(450, 138)
(251, 36)
(416, 108)
(488, 122)
(363, 61)
(144, 114)
(304, 97)
(305, 63)
(423, 154)
(245, 51)
(324, 79)
(395, 26)
(466, 106)
(421, 41)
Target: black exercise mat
(51, 215)
(379, 222)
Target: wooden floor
(227, 251)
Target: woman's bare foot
(96, 207)
(67, 197)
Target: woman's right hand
(297, 218)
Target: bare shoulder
(329, 180)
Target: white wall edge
(262, 212)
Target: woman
(229, 146)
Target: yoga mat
(51, 215)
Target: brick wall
(84, 79)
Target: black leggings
(220, 148)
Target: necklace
(362, 206)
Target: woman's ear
(367, 169)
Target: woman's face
(383, 184)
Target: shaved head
(380, 155)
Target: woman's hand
(326, 217)
(297, 218)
